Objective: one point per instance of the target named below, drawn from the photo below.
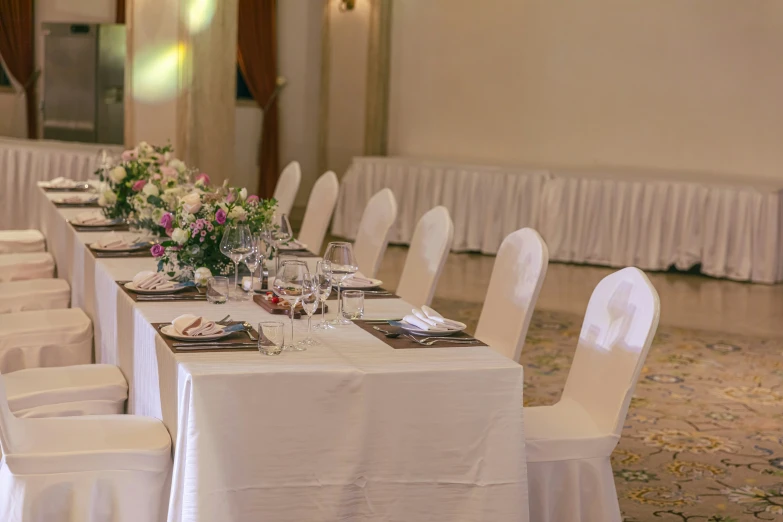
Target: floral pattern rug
(703, 440)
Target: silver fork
(429, 341)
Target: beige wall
(675, 84)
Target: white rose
(151, 189)
(145, 149)
(179, 235)
(109, 197)
(117, 174)
(191, 203)
(167, 156)
(201, 275)
(238, 213)
(179, 165)
(243, 194)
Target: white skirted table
(23, 163)
(349, 430)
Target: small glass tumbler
(217, 290)
(353, 304)
(270, 342)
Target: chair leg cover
(580, 490)
(89, 496)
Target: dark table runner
(399, 343)
(145, 252)
(188, 294)
(231, 343)
(76, 205)
(333, 295)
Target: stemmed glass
(323, 280)
(309, 304)
(253, 259)
(236, 245)
(340, 255)
(284, 233)
(290, 285)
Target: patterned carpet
(703, 440)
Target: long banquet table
(349, 430)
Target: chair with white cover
(21, 241)
(34, 294)
(569, 443)
(517, 278)
(32, 265)
(427, 254)
(374, 229)
(44, 338)
(320, 207)
(66, 391)
(287, 186)
(103, 467)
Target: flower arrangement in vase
(196, 228)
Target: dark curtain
(257, 57)
(120, 11)
(16, 48)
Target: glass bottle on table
(289, 285)
(323, 280)
(236, 245)
(340, 255)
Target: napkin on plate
(358, 279)
(193, 326)
(148, 280)
(431, 321)
(115, 242)
(76, 200)
(61, 182)
(91, 218)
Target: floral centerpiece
(196, 228)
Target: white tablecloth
(486, 203)
(23, 163)
(349, 430)
(616, 217)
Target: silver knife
(222, 345)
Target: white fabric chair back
(374, 229)
(517, 277)
(429, 249)
(619, 326)
(320, 207)
(287, 187)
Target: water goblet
(323, 279)
(340, 255)
(252, 260)
(236, 244)
(310, 302)
(289, 285)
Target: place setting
(148, 286)
(61, 184)
(122, 245)
(76, 201)
(285, 243)
(188, 333)
(96, 221)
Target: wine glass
(253, 259)
(236, 245)
(340, 255)
(323, 279)
(309, 304)
(289, 285)
(284, 232)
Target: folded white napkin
(431, 321)
(148, 280)
(358, 279)
(91, 218)
(116, 242)
(193, 326)
(77, 199)
(61, 182)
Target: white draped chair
(569, 444)
(320, 207)
(374, 229)
(517, 278)
(33, 265)
(21, 241)
(429, 249)
(66, 391)
(34, 294)
(287, 186)
(44, 338)
(99, 468)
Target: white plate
(98, 248)
(415, 330)
(130, 286)
(169, 331)
(293, 245)
(351, 284)
(82, 201)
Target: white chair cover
(374, 228)
(18, 267)
(21, 241)
(34, 294)
(320, 207)
(109, 468)
(287, 187)
(569, 443)
(86, 389)
(429, 249)
(517, 277)
(44, 338)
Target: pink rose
(157, 250)
(169, 231)
(129, 155)
(203, 179)
(230, 198)
(139, 185)
(168, 172)
(220, 216)
(252, 199)
(166, 220)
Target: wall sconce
(347, 5)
